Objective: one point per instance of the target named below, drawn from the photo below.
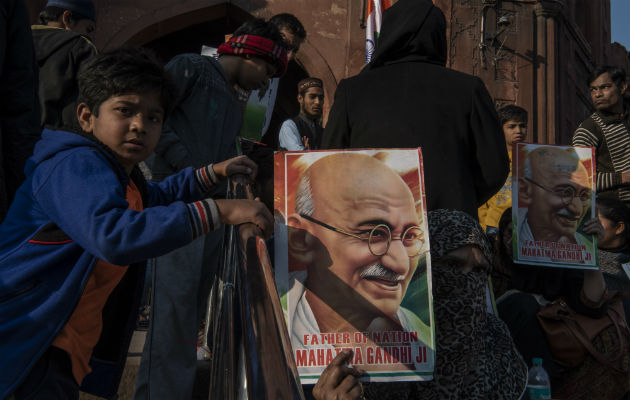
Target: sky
(619, 17)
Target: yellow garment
(490, 212)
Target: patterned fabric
(476, 357)
(609, 136)
(308, 83)
(452, 229)
(257, 46)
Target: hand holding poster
(352, 261)
(554, 198)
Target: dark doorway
(190, 39)
(223, 20)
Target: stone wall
(533, 53)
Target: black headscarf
(451, 229)
(412, 30)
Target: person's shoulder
(354, 81)
(199, 68)
(74, 155)
(85, 156)
(59, 33)
(49, 39)
(289, 124)
(590, 123)
(465, 81)
(85, 45)
(297, 280)
(192, 59)
(41, 30)
(450, 75)
(187, 57)
(461, 82)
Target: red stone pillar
(548, 12)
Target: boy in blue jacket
(73, 244)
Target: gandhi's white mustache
(377, 271)
(568, 214)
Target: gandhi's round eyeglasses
(567, 193)
(380, 237)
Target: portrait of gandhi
(556, 191)
(358, 232)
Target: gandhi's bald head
(346, 172)
(552, 160)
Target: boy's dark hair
(512, 112)
(618, 75)
(616, 211)
(52, 14)
(124, 71)
(260, 27)
(290, 22)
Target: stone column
(548, 13)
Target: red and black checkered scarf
(257, 46)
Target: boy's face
(292, 41)
(514, 132)
(128, 124)
(311, 102)
(254, 73)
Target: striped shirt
(610, 135)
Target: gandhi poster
(555, 196)
(352, 261)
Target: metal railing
(245, 331)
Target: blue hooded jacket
(71, 211)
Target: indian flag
(374, 14)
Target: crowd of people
(80, 221)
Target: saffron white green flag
(374, 14)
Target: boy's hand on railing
(237, 211)
(237, 165)
(339, 381)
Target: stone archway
(174, 18)
(184, 27)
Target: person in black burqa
(406, 97)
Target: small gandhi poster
(554, 196)
(352, 262)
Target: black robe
(60, 54)
(406, 98)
